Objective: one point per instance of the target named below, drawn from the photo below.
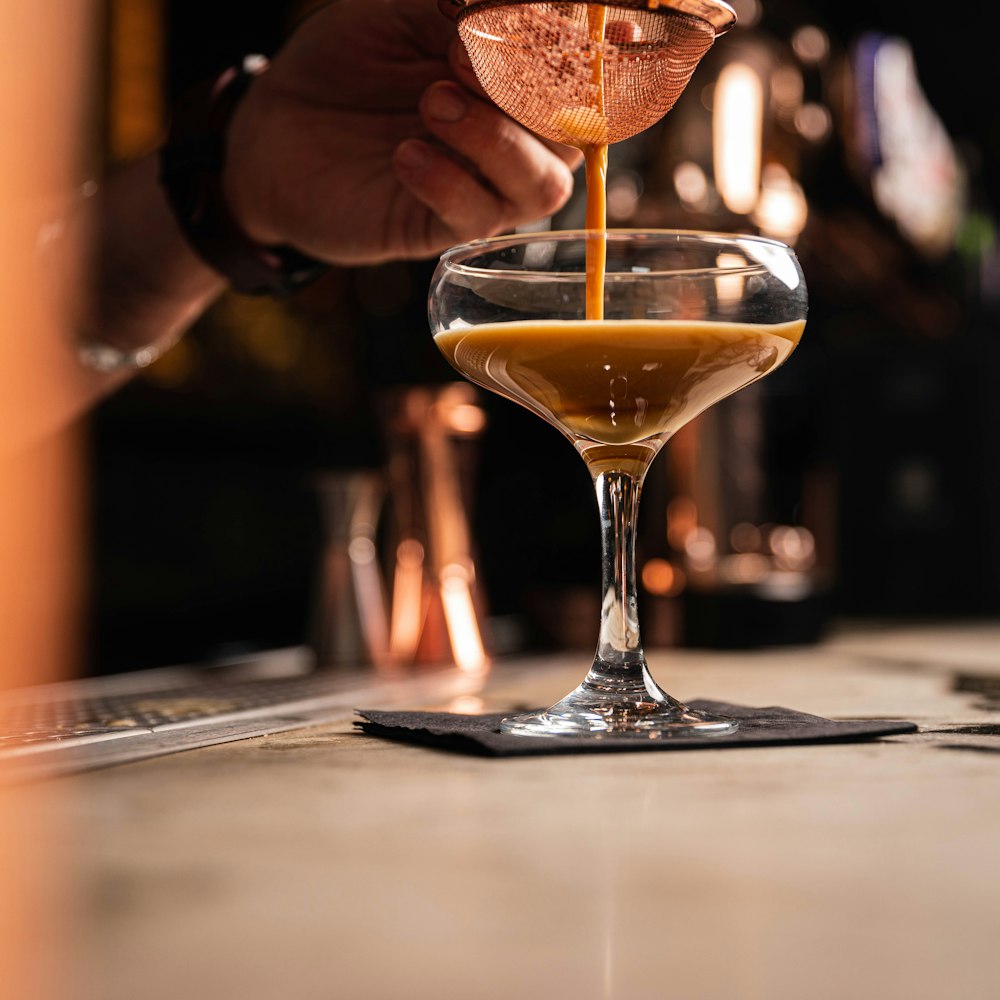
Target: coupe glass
(690, 317)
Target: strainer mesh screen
(537, 61)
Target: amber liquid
(618, 388)
(596, 160)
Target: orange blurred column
(45, 107)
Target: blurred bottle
(399, 584)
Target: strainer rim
(719, 14)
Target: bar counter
(323, 863)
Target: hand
(369, 138)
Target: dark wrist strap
(191, 165)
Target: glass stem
(620, 663)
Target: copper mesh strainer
(549, 69)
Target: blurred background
(274, 479)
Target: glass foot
(593, 713)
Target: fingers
(529, 178)
(461, 66)
(460, 207)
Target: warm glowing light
(782, 209)
(460, 616)
(810, 43)
(745, 537)
(745, 567)
(700, 549)
(407, 600)
(657, 576)
(370, 596)
(136, 77)
(786, 88)
(793, 547)
(467, 704)
(691, 186)
(361, 551)
(624, 191)
(738, 109)
(729, 287)
(813, 122)
(748, 12)
(661, 578)
(465, 418)
(682, 519)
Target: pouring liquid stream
(596, 166)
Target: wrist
(198, 185)
(246, 186)
(144, 286)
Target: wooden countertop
(321, 863)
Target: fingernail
(411, 155)
(446, 104)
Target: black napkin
(480, 734)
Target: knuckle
(505, 139)
(554, 189)
(492, 221)
(476, 217)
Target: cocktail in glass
(689, 317)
